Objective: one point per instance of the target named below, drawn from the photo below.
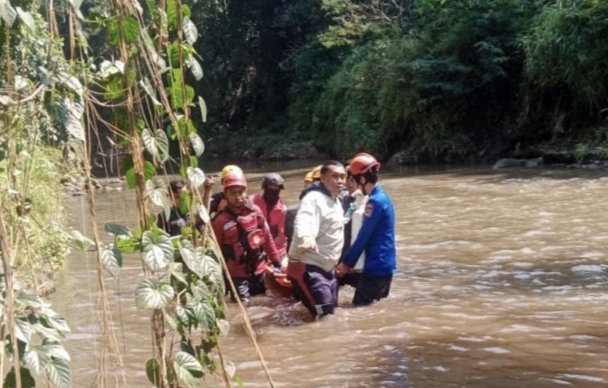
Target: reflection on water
(501, 283)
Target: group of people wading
(341, 232)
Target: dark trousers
(371, 289)
(316, 288)
(246, 287)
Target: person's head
(235, 189)
(333, 176)
(272, 184)
(364, 168)
(229, 169)
(351, 183)
(308, 179)
(177, 187)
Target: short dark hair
(177, 185)
(329, 163)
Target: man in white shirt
(317, 242)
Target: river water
(501, 282)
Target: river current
(501, 282)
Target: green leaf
(56, 350)
(182, 316)
(224, 326)
(157, 250)
(153, 294)
(56, 321)
(185, 366)
(203, 107)
(27, 299)
(27, 19)
(190, 31)
(188, 255)
(7, 12)
(203, 213)
(117, 230)
(111, 259)
(204, 314)
(131, 29)
(153, 372)
(23, 329)
(211, 268)
(149, 172)
(197, 144)
(195, 68)
(128, 245)
(174, 60)
(59, 373)
(27, 381)
(172, 14)
(158, 193)
(196, 176)
(201, 291)
(37, 358)
(156, 144)
(230, 369)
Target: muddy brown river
(501, 282)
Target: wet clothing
(174, 224)
(319, 220)
(247, 246)
(316, 288)
(354, 207)
(377, 239)
(275, 216)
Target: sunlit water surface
(501, 282)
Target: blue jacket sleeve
(371, 219)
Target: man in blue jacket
(376, 237)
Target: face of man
(334, 179)
(236, 196)
(272, 192)
(351, 184)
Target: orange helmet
(234, 179)
(228, 169)
(362, 163)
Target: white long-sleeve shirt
(319, 220)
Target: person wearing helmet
(178, 215)
(244, 238)
(273, 208)
(313, 176)
(376, 237)
(218, 200)
(317, 242)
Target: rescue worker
(178, 217)
(317, 242)
(218, 200)
(376, 237)
(354, 207)
(273, 208)
(244, 238)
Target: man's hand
(342, 269)
(208, 183)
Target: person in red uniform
(274, 209)
(244, 238)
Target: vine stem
(243, 311)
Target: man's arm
(307, 223)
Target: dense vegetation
(438, 80)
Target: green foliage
(567, 59)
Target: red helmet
(234, 179)
(362, 163)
